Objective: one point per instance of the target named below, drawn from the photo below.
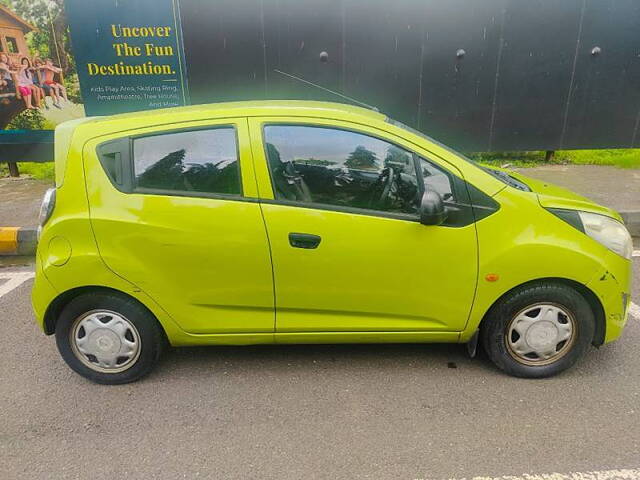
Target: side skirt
(368, 337)
(314, 337)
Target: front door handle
(304, 240)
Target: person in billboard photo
(31, 93)
(48, 90)
(49, 70)
(34, 83)
(6, 79)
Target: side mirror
(432, 210)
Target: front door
(349, 255)
(175, 213)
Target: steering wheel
(386, 189)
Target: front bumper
(613, 288)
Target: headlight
(604, 230)
(609, 232)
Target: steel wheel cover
(541, 334)
(105, 341)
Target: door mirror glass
(432, 209)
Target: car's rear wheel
(538, 330)
(108, 338)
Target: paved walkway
(20, 200)
(617, 188)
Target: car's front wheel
(109, 338)
(538, 330)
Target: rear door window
(198, 161)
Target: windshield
(503, 176)
(398, 124)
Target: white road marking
(634, 310)
(628, 474)
(636, 253)
(13, 280)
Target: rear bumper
(613, 288)
(42, 294)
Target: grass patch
(622, 158)
(514, 159)
(39, 171)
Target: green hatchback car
(307, 222)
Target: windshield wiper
(508, 179)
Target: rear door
(349, 255)
(174, 212)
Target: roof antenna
(370, 107)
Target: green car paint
(221, 270)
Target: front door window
(330, 166)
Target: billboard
(131, 54)
(480, 76)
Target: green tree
(28, 120)
(165, 173)
(398, 159)
(363, 159)
(221, 177)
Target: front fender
(523, 242)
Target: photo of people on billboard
(38, 81)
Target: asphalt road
(317, 412)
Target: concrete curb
(632, 221)
(18, 241)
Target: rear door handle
(304, 240)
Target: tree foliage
(172, 173)
(399, 159)
(166, 173)
(28, 120)
(362, 158)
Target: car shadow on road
(273, 358)
(392, 358)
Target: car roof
(236, 109)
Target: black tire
(495, 328)
(151, 335)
